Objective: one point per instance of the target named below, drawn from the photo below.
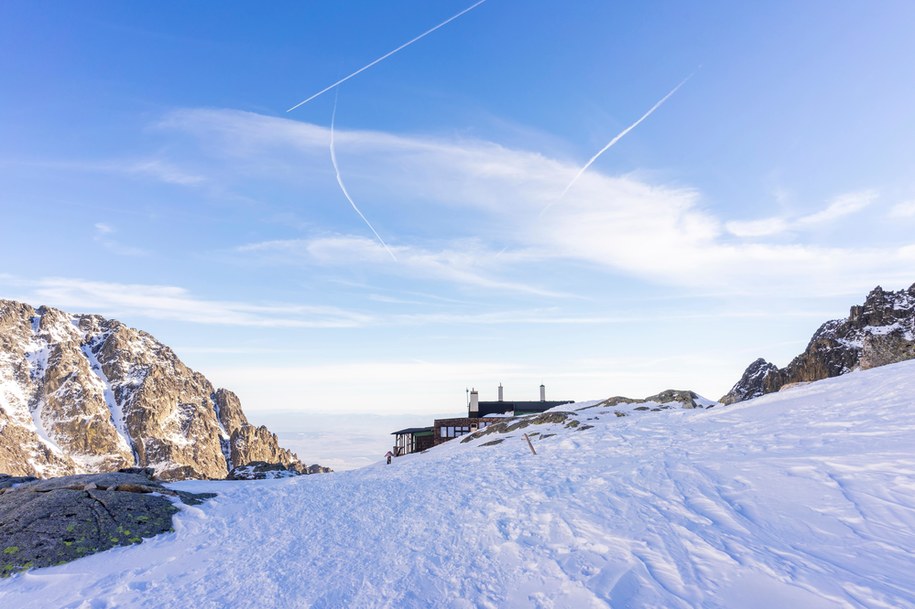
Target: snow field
(805, 498)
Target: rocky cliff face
(879, 332)
(83, 394)
(760, 377)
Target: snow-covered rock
(879, 332)
(670, 398)
(83, 394)
(261, 470)
(760, 377)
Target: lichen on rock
(48, 522)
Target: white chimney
(474, 407)
(500, 392)
(542, 393)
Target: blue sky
(151, 172)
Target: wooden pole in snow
(529, 444)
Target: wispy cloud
(104, 237)
(129, 302)
(840, 207)
(903, 210)
(757, 228)
(395, 301)
(178, 304)
(621, 224)
(160, 170)
(464, 263)
(157, 168)
(556, 317)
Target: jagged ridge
(881, 331)
(84, 394)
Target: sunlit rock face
(879, 332)
(84, 394)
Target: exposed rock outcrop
(7, 481)
(261, 470)
(48, 522)
(516, 423)
(671, 398)
(761, 377)
(881, 331)
(82, 394)
(679, 397)
(244, 443)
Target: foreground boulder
(879, 332)
(49, 522)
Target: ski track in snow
(804, 498)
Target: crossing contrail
(385, 56)
(333, 158)
(618, 137)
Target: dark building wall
(519, 408)
(446, 429)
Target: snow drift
(804, 498)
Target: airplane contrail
(618, 137)
(333, 158)
(386, 55)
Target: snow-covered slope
(799, 499)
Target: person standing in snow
(388, 456)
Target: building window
(453, 432)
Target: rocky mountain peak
(761, 377)
(878, 332)
(84, 394)
(883, 308)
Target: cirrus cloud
(490, 196)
